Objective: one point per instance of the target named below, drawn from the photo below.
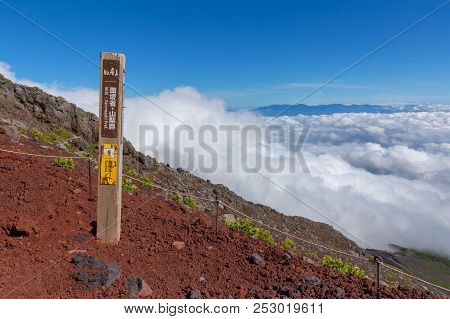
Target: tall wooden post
(112, 69)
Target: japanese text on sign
(109, 98)
(108, 164)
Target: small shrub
(52, 137)
(132, 172)
(128, 186)
(264, 235)
(93, 145)
(343, 267)
(246, 226)
(312, 254)
(64, 162)
(288, 244)
(189, 202)
(38, 134)
(146, 182)
(176, 198)
(63, 133)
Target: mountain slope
(48, 229)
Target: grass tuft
(64, 162)
(189, 202)
(176, 198)
(288, 244)
(246, 226)
(128, 185)
(343, 267)
(146, 182)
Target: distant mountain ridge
(327, 109)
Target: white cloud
(384, 177)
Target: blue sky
(248, 53)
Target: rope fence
(42, 155)
(378, 260)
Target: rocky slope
(48, 248)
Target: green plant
(65, 143)
(343, 267)
(93, 145)
(312, 254)
(288, 244)
(132, 172)
(63, 133)
(128, 186)
(85, 154)
(246, 226)
(146, 182)
(189, 202)
(52, 137)
(64, 162)
(176, 198)
(38, 134)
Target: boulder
(93, 272)
(257, 260)
(194, 294)
(312, 280)
(9, 130)
(310, 261)
(179, 245)
(340, 292)
(138, 288)
(61, 146)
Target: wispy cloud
(264, 89)
(314, 85)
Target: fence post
(378, 261)
(217, 216)
(90, 180)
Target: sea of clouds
(377, 178)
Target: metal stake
(378, 260)
(217, 216)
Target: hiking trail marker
(110, 144)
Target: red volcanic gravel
(46, 221)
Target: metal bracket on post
(379, 261)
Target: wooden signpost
(112, 69)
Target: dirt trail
(46, 220)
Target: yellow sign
(108, 165)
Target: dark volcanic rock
(94, 272)
(312, 280)
(195, 294)
(81, 238)
(257, 260)
(340, 292)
